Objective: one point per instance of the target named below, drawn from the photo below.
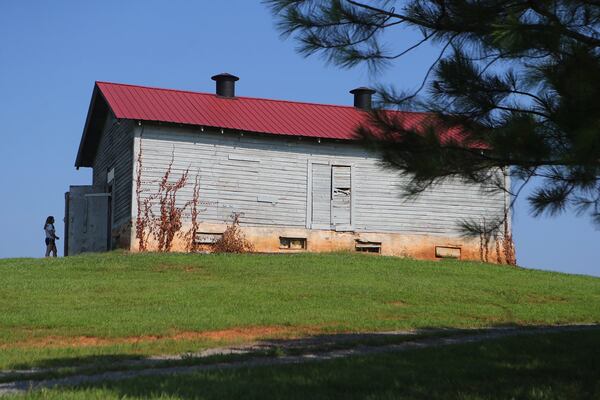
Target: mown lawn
(543, 367)
(103, 307)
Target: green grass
(119, 295)
(543, 367)
(99, 364)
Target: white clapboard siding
(266, 180)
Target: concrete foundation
(267, 240)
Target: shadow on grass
(545, 366)
(79, 361)
(312, 343)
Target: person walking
(51, 237)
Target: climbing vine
(165, 226)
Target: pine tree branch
(536, 6)
(428, 73)
(393, 14)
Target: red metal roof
(276, 117)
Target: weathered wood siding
(321, 195)
(341, 195)
(115, 150)
(269, 181)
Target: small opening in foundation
(288, 243)
(367, 247)
(207, 237)
(447, 252)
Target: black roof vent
(225, 84)
(362, 97)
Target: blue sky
(52, 52)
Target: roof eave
(79, 161)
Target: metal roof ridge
(250, 98)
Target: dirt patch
(249, 333)
(397, 303)
(544, 299)
(182, 268)
(242, 334)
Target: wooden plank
(321, 197)
(309, 183)
(240, 157)
(341, 195)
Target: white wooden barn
(292, 171)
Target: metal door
(87, 213)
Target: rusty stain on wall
(267, 240)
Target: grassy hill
(118, 305)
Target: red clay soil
(224, 335)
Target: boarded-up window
(341, 195)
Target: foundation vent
(367, 247)
(207, 238)
(447, 252)
(287, 243)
